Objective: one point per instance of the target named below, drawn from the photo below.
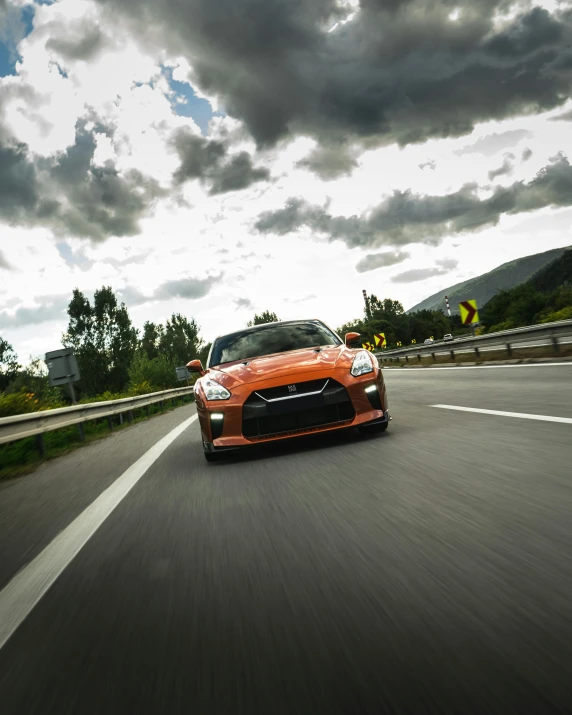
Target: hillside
(482, 288)
(544, 298)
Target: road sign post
(63, 370)
(379, 340)
(182, 373)
(469, 313)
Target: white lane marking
(24, 591)
(476, 367)
(500, 413)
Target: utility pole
(367, 315)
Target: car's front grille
(267, 413)
(293, 389)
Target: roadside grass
(426, 359)
(22, 457)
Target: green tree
(204, 353)
(180, 340)
(265, 317)
(152, 374)
(103, 340)
(8, 364)
(150, 339)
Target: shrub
(564, 314)
(18, 403)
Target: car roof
(254, 328)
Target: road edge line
(28, 586)
(502, 413)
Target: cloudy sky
(221, 157)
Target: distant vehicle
(279, 380)
(429, 341)
(448, 337)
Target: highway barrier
(38, 423)
(551, 335)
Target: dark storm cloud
(85, 46)
(238, 173)
(380, 260)
(404, 217)
(506, 168)
(18, 183)
(71, 196)
(331, 162)
(398, 71)
(188, 288)
(209, 161)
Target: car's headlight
(214, 391)
(362, 364)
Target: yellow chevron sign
(469, 312)
(380, 340)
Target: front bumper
(223, 424)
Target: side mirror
(351, 338)
(195, 366)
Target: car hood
(270, 367)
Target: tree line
(114, 358)
(400, 328)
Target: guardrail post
(477, 352)
(406, 358)
(419, 357)
(129, 416)
(41, 445)
(81, 432)
(110, 422)
(509, 349)
(555, 344)
(434, 357)
(452, 354)
(121, 418)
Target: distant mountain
(555, 274)
(482, 288)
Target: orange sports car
(285, 379)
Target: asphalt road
(425, 570)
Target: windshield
(270, 339)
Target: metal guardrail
(38, 423)
(551, 332)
